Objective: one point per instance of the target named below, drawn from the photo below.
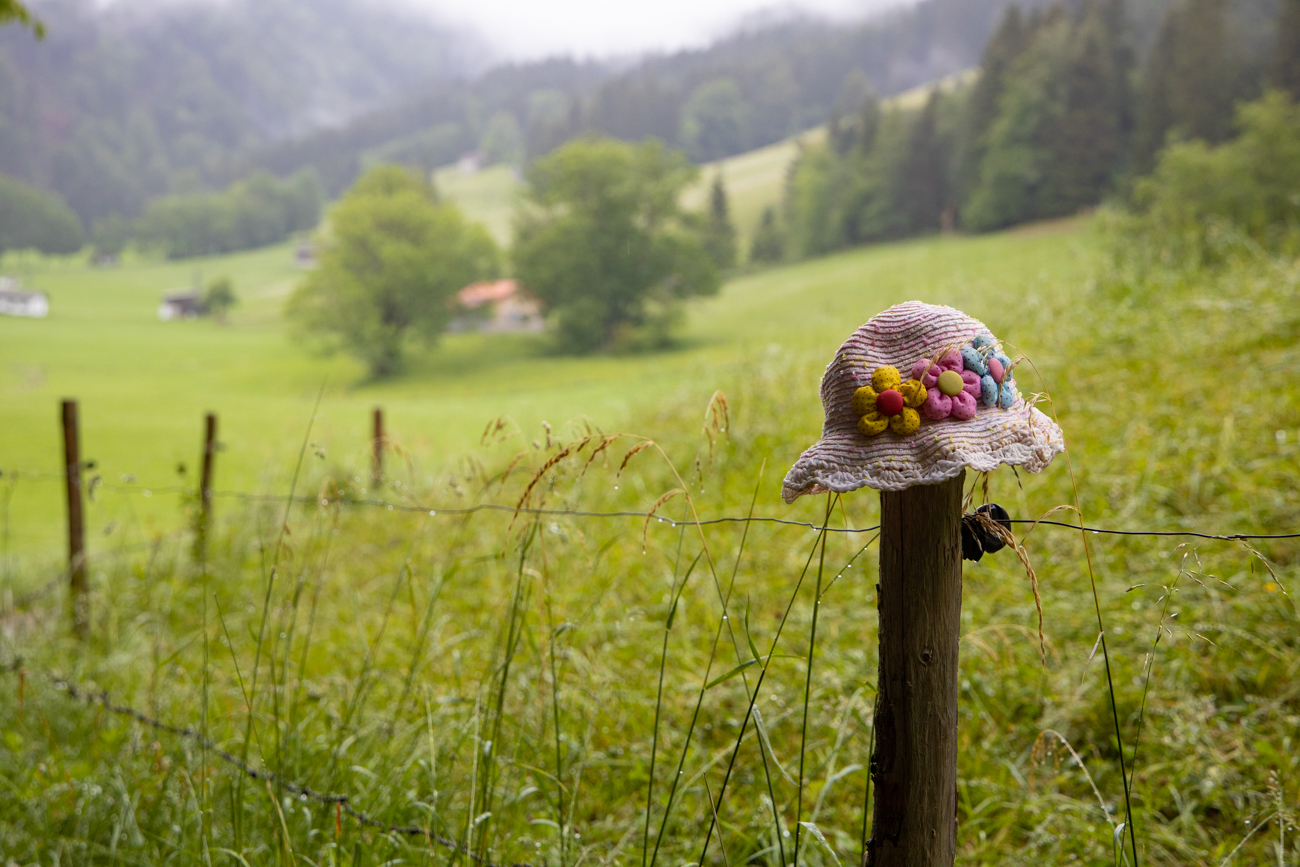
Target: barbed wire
(454, 511)
(341, 802)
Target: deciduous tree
(390, 266)
(603, 242)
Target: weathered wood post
(78, 593)
(914, 766)
(914, 398)
(377, 450)
(205, 488)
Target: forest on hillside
(129, 112)
(118, 104)
(1070, 107)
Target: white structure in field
(15, 302)
(181, 305)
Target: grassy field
(551, 689)
(487, 196)
(144, 385)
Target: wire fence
(344, 803)
(433, 510)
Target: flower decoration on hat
(952, 390)
(889, 403)
(997, 382)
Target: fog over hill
(123, 102)
(130, 100)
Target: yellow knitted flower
(888, 403)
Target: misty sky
(600, 28)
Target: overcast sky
(520, 29)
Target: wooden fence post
(914, 766)
(76, 531)
(205, 488)
(377, 450)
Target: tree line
(1062, 115)
(121, 103)
(601, 241)
(755, 87)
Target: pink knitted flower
(928, 371)
(950, 390)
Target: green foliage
(111, 235)
(813, 202)
(719, 231)
(1285, 72)
(1205, 205)
(923, 182)
(503, 141)
(895, 180)
(981, 110)
(1059, 137)
(1190, 81)
(855, 115)
(218, 298)
(14, 12)
(252, 213)
(768, 245)
(784, 78)
(714, 121)
(391, 263)
(34, 219)
(121, 104)
(602, 241)
(1018, 151)
(425, 150)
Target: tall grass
(559, 689)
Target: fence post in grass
(78, 595)
(914, 398)
(205, 488)
(377, 450)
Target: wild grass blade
(749, 710)
(807, 688)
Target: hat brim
(844, 460)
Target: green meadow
(143, 385)
(559, 689)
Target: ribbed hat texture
(846, 459)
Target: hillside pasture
(561, 688)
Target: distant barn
(498, 306)
(15, 302)
(181, 305)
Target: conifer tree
(923, 185)
(1285, 74)
(1087, 143)
(768, 244)
(1189, 82)
(1003, 48)
(719, 232)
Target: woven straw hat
(916, 395)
